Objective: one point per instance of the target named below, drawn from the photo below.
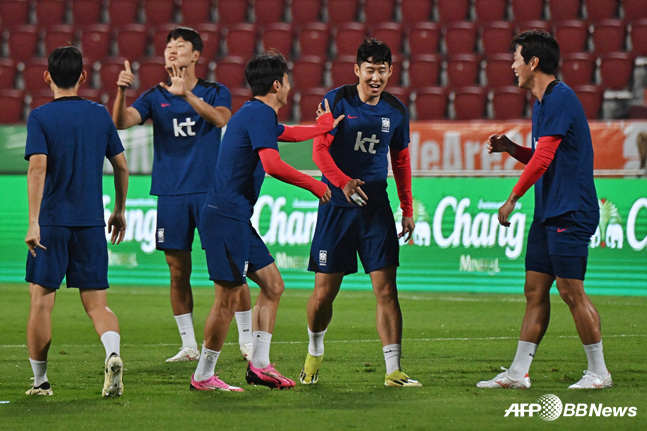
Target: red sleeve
(401, 164)
(305, 133)
(539, 162)
(322, 158)
(523, 154)
(274, 166)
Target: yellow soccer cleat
(398, 378)
(310, 372)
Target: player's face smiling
(180, 52)
(522, 71)
(372, 79)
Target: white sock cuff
(263, 337)
(111, 343)
(392, 348)
(184, 320)
(593, 347)
(317, 334)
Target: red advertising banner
(462, 145)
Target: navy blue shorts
(560, 246)
(177, 218)
(78, 253)
(233, 248)
(344, 232)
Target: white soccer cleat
(592, 380)
(185, 354)
(44, 389)
(246, 351)
(113, 385)
(503, 381)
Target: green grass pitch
(451, 340)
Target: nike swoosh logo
(164, 105)
(350, 116)
(562, 230)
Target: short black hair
(373, 51)
(540, 44)
(65, 65)
(188, 34)
(263, 70)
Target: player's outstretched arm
(274, 166)
(502, 144)
(117, 220)
(123, 116)
(35, 185)
(325, 123)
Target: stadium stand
(591, 98)
(32, 74)
(430, 103)
(309, 99)
(94, 42)
(340, 11)
(308, 72)
(470, 103)
(313, 39)
(86, 12)
(306, 11)
(508, 103)
(348, 36)
(460, 37)
(13, 106)
(616, 70)
(8, 73)
(159, 11)
(269, 11)
(577, 68)
(638, 36)
(497, 70)
(58, 35)
(150, 72)
(463, 70)
(123, 12)
(240, 39)
(495, 37)
(131, 40)
(232, 11)
(194, 12)
(609, 35)
(527, 10)
(389, 32)
(230, 71)
(377, 11)
(14, 12)
(572, 35)
(413, 11)
(601, 9)
(277, 35)
(490, 10)
(342, 70)
(561, 10)
(424, 70)
(634, 9)
(22, 41)
(50, 12)
(238, 98)
(453, 10)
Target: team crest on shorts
(323, 257)
(386, 124)
(160, 235)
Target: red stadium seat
(210, 34)
(577, 68)
(601, 9)
(534, 25)
(278, 35)
(269, 11)
(306, 11)
(460, 37)
(308, 72)
(638, 37)
(509, 103)
(238, 98)
(159, 11)
(230, 72)
(8, 73)
(430, 103)
(424, 38)
(86, 12)
(470, 103)
(634, 9)
(314, 39)
(95, 42)
(340, 11)
(609, 35)
(131, 40)
(616, 70)
(90, 94)
(565, 9)
(309, 99)
(377, 11)
(390, 33)
(13, 106)
(572, 35)
(285, 113)
(498, 70)
(591, 98)
(453, 10)
(109, 69)
(396, 75)
(32, 74)
(123, 12)
(150, 72)
(240, 40)
(424, 70)
(194, 12)
(527, 10)
(39, 97)
(490, 10)
(58, 35)
(50, 12)
(348, 36)
(416, 11)
(22, 41)
(403, 94)
(463, 69)
(342, 70)
(14, 12)
(232, 11)
(496, 37)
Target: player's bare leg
(537, 315)
(96, 306)
(39, 325)
(180, 266)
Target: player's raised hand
(33, 239)
(354, 193)
(408, 225)
(117, 227)
(321, 111)
(499, 143)
(178, 84)
(126, 78)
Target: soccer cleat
(43, 389)
(113, 385)
(310, 371)
(185, 354)
(592, 380)
(398, 378)
(212, 384)
(267, 376)
(502, 380)
(246, 351)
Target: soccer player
(560, 165)
(234, 249)
(359, 220)
(187, 120)
(67, 141)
